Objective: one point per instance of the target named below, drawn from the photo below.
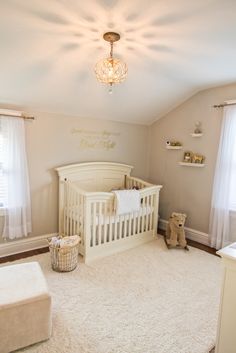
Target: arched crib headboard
(95, 176)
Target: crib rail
(92, 216)
(73, 215)
(131, 182)
(103, 228)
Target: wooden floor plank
(46, 249)
(195, 244)
(23, 255)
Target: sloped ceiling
(173, 48)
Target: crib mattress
(113, 218)
(102, 219)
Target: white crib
(86, 207)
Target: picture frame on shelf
(188, 157)
(198, 158)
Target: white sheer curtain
(224, 188)
(17, 199)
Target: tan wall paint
(187, 189)
(50, 143)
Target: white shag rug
(145, 300)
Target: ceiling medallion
(111, 70)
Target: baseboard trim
(38, 242)
(19, 246)
(191, 234)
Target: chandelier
(111, 70)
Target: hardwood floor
(195, 244)
(46, 249)
(23, 255)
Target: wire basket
(64, 259)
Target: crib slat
(130, 222)
(77, 214)
(99, 222)
(146, 214)
(139, 219)
(70, 207)
(143, 216)
(115, 228)
(73, 213)
(110, 222)
(72, 210)
(125, 226)
(65, 207)
(151, 212)
(105, 222)
(93, 235)
(134, 223)
(120, 226)
(68, 210)
(83, 218)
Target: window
(14, 180)
(233, 178)
(3, 179)
(223, 205)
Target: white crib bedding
(102, 219)
(113, 218)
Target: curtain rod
(223, 105)
(4, 112)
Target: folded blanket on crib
(126, 201)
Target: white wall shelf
(174, 147)
(196, 165)
(196, 135)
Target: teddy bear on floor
(175, 235)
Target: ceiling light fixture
(111, 70)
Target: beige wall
(51, 143)
(187, 189)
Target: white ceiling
(173, 48)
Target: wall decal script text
(96, 139)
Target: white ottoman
(25, 306)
